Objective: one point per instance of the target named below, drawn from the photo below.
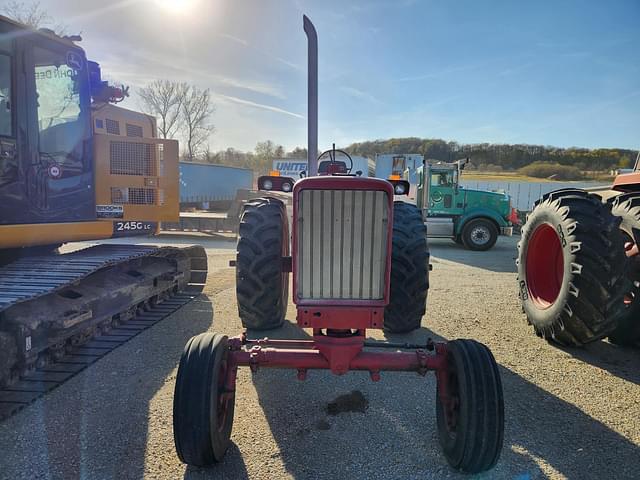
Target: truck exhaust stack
(312, 96)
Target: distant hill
(484, 156)
(496, 157)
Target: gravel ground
(569, 414)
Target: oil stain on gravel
(350, 402)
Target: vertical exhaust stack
(312, 96)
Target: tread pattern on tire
(197, 376)
(261, 286)
(627, 332)
(478, 440)
(409, 270)
(595, 298)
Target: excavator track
(60, 313)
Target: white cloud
(156, 66)
(361, 94)
(261, 106)
(292, 65)
(234, 39)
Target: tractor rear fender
(474, 213)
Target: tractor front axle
(338, 354)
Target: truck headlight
(399, 189)
(267, 185)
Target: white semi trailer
(293, 167)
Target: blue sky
(562, 73)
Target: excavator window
(60, 120)
(6, 125)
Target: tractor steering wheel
(332, 156)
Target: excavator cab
(73, 167)
(45, 118)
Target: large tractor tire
(262, 287)
(202, 409)
(471, 418)
(409, 270)
(571, 268)
(627, 207)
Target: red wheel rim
(452, 406)
(545, 266)
(285, 253)
(223, 395)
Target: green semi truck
(472, 218)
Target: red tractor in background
(359, 261)
(579, 266)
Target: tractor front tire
(262, 287)
(571, 268)
(202, 410)
(409, 270)
(471, 418)
(627, 331)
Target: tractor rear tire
(262, 288)
(409, 270)
(571, 265)
(471, 426)
(202, 417)
(479, 235)
(627, 207)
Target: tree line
(539, 160)
(498, 157)
(260, 160)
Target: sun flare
(177, 6)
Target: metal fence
(523, 194)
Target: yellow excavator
(76, 167)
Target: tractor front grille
(342, 244)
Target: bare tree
(298, 152)
(263, 154)
(196, 110)
(33, 15)
(163, 99)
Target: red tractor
(359, 261)
(578, 264)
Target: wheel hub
(223, 396)
(545, 266)
(633, 252)
(480, 235)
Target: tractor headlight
(267, 185)
(399, 189)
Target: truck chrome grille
(342, 244)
